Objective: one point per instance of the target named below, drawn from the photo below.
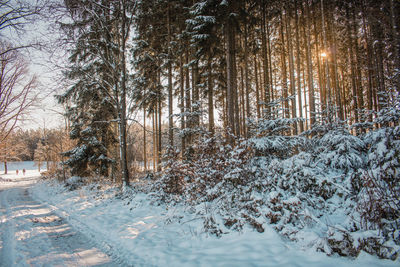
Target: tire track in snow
(7, 253)
(33, 235)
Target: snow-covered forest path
(31, 234)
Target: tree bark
(188, 100)
(284, 70)
(210, 98)
(298, 68)
(291, 69)
(144, 140)
(170, 102)
(327, 59)
(311, 95)
(266, 82)
(246, 72)
(352, 65)
(182, 103)
(394, 20)
(122, 113)
(257, 87)
(231, 76)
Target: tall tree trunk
(369, 62)
(395, 42)
(195, 95)
(170, 102)
(154, 140)
(144, 140)
(298, 67)
(159, 123)
(283, 70)
(266, 82)
(360, 96)
(327, 59)
(352, 65)
(122, 112)
(311, 95)
(246, 73)
(242, 104)
(318, 51)
(269, 53)
(236, 95)
(188, 109)
(231, 76)
(378, 45)
(291, 69)
(257, 87)
(210, 97)
(182, 103)
(334, 51)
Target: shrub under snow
(336, 192)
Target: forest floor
(43, 223)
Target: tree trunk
(291, 69)
(122, 112)
(326, 62)
(210, 97)
(266, 82)
(188, 108)
(352, 65)
(154, 140)
(309, 68)
(159, 125)
(246, 73)
(395, 42)
(369, 63)
(336, 86)
(170, 102)
(257, 87)
(360, 96)
(298, 68)
(283, 70)
(144, 140)
(182, 103)
(318, 51)
(270, 80)
(242, 104)
(231, 76)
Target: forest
(283, 113)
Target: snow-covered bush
(342, 188)
(75, 182)
(379, 197)
(271, 137)
(340, 150)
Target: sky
(47, 112)
(43, 63)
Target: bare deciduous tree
(16, 89)
(13, 16)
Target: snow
(135, 229)
(32, 235)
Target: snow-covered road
(31, 234)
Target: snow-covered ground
(135, 231)
(31, 234)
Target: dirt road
(32, 235)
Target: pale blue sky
(47, 111)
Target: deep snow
(137, 231)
